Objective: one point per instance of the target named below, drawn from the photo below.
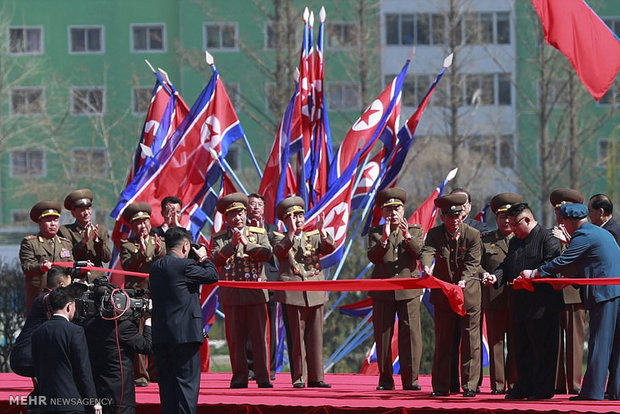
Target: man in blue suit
(177, 320)
(595, 253)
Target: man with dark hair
(112, 345)
(256, 218)
(593, 252)
(91, 242)
(600, 211)
(456, 249)
(171, 212)
(178, 328)
(60, 355)
(21, 353)
(535, 315)
(478, 225)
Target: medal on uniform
(247, 276)
(251, 238)
(64, 253)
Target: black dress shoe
(469, 393)
(384, 387)
(318, 384)
(574, 392)
(413, 387)
(272, 376)
(238, 385)
(514, 396)
(265, 385)
(251, 376)
(299, 385)
(580, 398)
(498, 392)
(477, 390)
(440, 394)
(540, 397)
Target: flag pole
(158, 76)
(329, 363)
(226, 167)
(343, 294)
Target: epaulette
(256, 230)
(30, 237)
(219, 233)
(124, 240)
(277, 233)
(312, 233)
(64, 239)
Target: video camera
(110, 301)
(192, 254)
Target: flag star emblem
(336, 221)
(370, 117)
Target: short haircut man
(602, 201)
(175, 236)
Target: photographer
(113, 340)
(177, 319)
(21, 354)
(60, 356)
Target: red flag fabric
(590, 46)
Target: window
(608, 156)
(141, 99)
(612, 97)
(479, 89)
(28, 163)
(27, 101)
(414, 88)
(270, 35)
(20, 217)
(343, 96)
(148, 38)
(507, 152)
(86, 39)
(341, 35)
(504, 94)
(233, 158)
(25, 40)
(557, 93)
(503, 28)
(493, 150)
(87, 101)
(419, 29)
(89, 161)
(271, 97)
(221, 36)
(233, 93)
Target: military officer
(456, 248)
(394, 248)
(90, 241)
(573, 317)
(240, 252)
(137, 253)
(298, 255)
(495, 306)
(38, 252)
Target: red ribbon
(561, 283)
(452, 292)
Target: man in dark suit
(600, 211)
(171, 208)
(534, 314)
(21, 353)
(239, 252)
(456, 248)
(596, 255)
(60, 355)
(298, 254)
(177, 320)
(394, 248)
(113, 341)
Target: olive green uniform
(98, 252)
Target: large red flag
(573, 28)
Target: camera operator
(177, 319)
(113, 340)
(21, 354)
(60, 356)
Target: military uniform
(245, 309)
(298, 260)
(572, 318)
(495, 301)
(96, 251)
(36, 249)
(133, 259)
(396, 259)
(456, 258)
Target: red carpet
(350, 394)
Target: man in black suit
(534, 314)
(177, 319)
(21, 354)
(60, 355)
(113, 342)
(600, 211)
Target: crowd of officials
(536, 338)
